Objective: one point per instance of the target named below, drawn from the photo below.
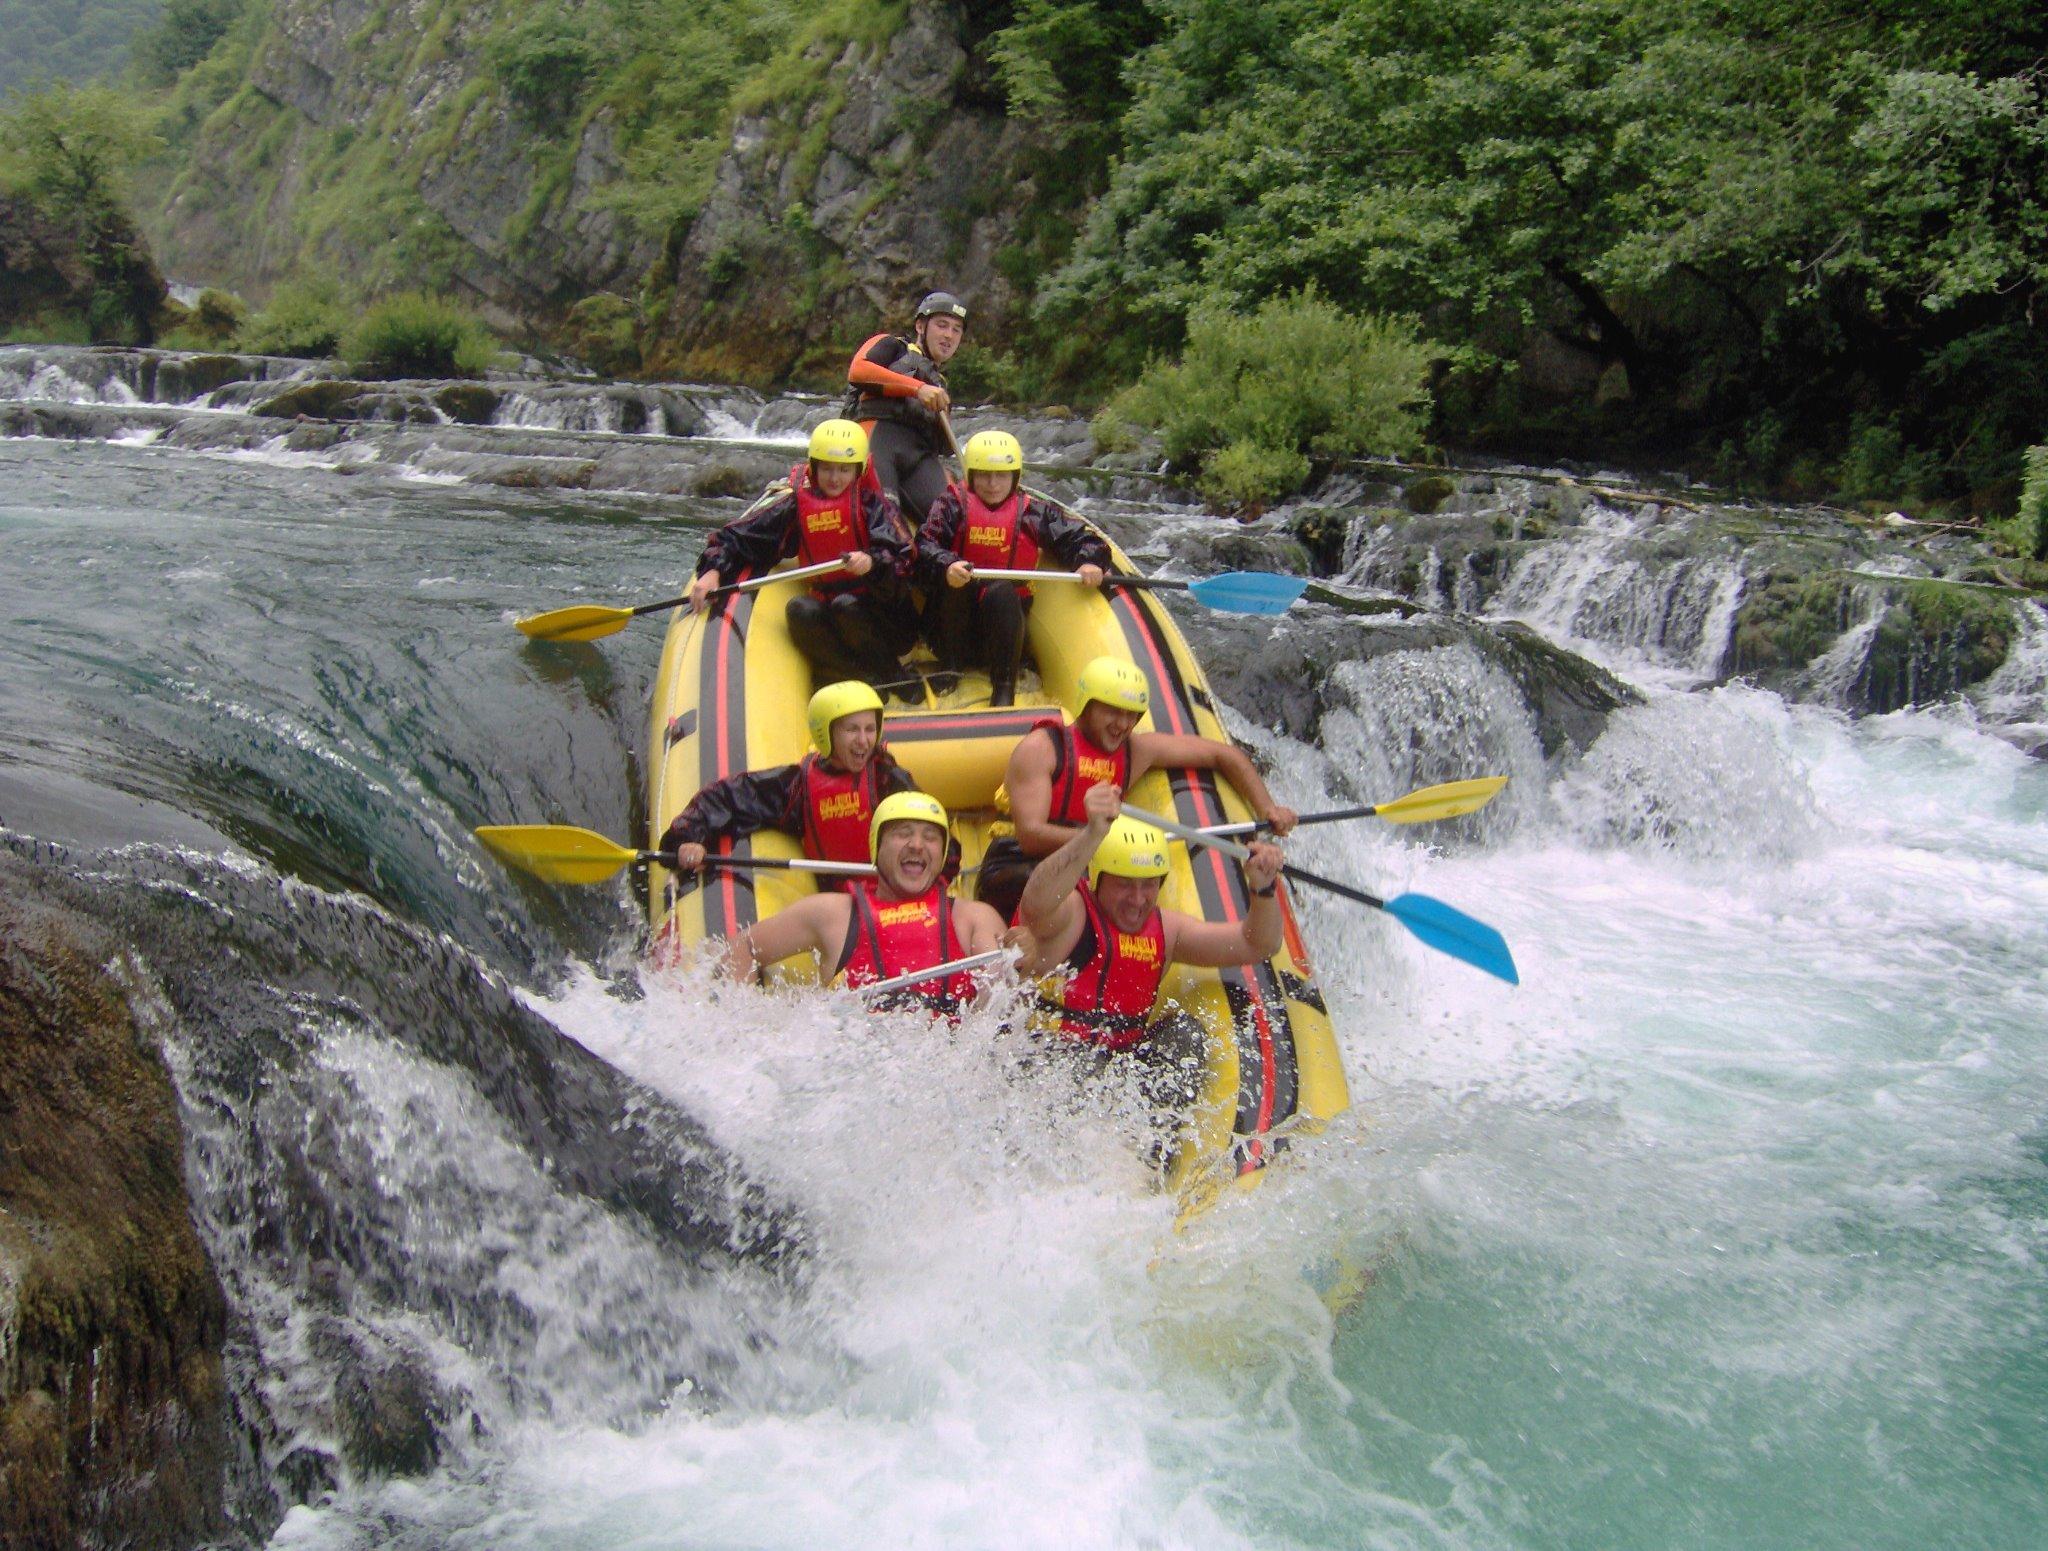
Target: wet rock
(112, 1413)
(1278, 673)
(333, 399)
(722, 479)
(389, 1411)
(1426, 494)
(468, 402)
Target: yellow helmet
(834, 701)
(1130, 850)
(996, 452)
(922, 806)
(839, 441)
(1113, 681)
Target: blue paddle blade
(1248, 592)
(1453, 932)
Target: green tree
(1257, 401)
(71, 146)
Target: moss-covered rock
(1426, 494)
(112, 1410)
(326, 399)
(716, 480)
(1786, 620)
(469, 402)
(1935, 641)
(1323, 532)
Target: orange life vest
(837, 807)
(890, 938)
(827, 529)
(1078, 764)
(1115, 978)
(995, 537)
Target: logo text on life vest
(844, 805)
(897, 915)
(1143, 949)
(829, 520)
(1093, 769)
(981, 533)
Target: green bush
(304, 318)
(1256, 401)
(604, 331)
(415, 335)
(2027, 530)
(53, 327)
(545, 66)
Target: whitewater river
(1726, 1228)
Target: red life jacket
(884, 940)
(836, 810)
(828, 529)
(995, 537)
(1078, 764)
(1115, 978)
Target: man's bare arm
(1172, 751)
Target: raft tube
(731, 696)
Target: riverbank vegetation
(1794, 249)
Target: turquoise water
(1725, 1229)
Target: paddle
(1453, 799)
(562, 853)
(588, 621)
(1437, 924)
(936, 972)
(1234, 592)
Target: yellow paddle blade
(584, 622)
(1451, 800)
(560, 853)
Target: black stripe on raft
(1307, 992)
(722, 696)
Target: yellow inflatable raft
(731, 696)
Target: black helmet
(942, 304)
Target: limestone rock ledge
(113, 1426)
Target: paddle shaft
(1253, 826)
(1110, 579)
(764, 863)
(798, 574)
(936, 972)
(1202, 837)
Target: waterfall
(1628, 581)
(1410, 719)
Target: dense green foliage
(416, 335)
(2027, 530)
(69, 40)
(1256, 400)
(186, 33)
(65, 153)
(307, 317)
(1759, 228)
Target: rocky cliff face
(112, 1412)
(374, 140)
(369, 138)
(833, 213)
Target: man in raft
(994, 525)
(827, 799)
(1054, 765)
(1112, 944)
(852, 624)
(896, 390)
(895, 923)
